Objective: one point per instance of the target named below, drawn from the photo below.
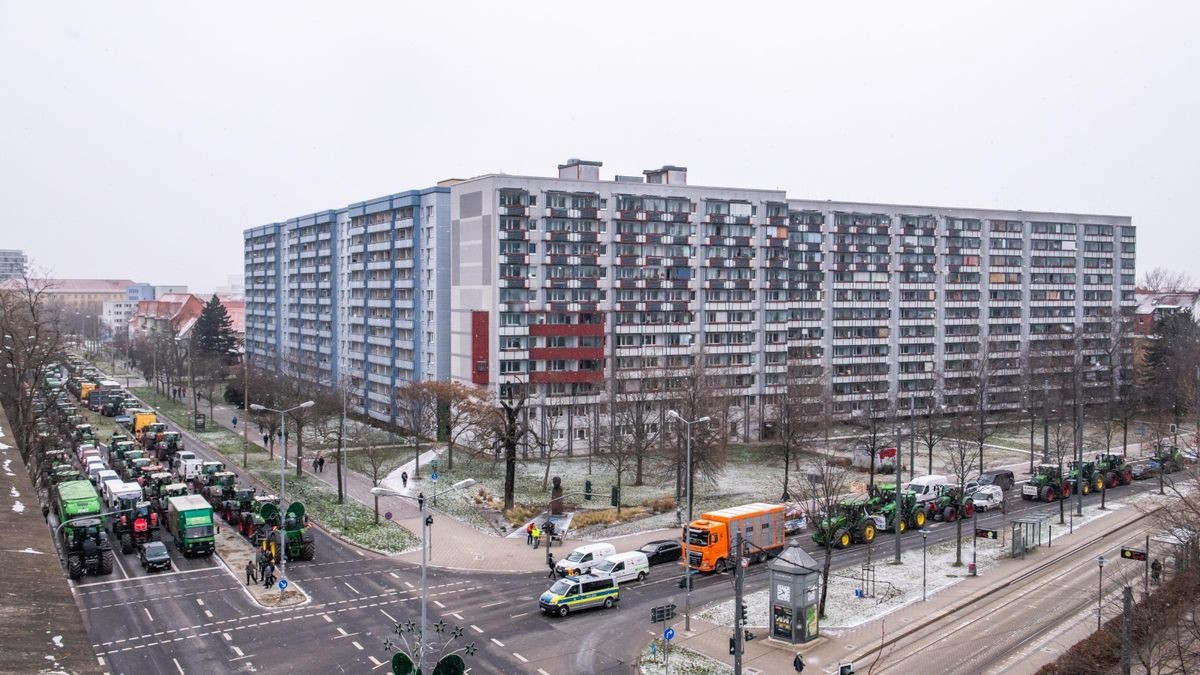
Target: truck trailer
(190, 522)
(710, 537)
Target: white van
(584, 558)
(926, 487)
(94, 468)
(186, 465)
(632, 566)
(108, 487)
(115, 490)
(105, 476)
(89, 456)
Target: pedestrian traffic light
(616, 496)
(587, 490)
(732, 646)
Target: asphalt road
(198, 619)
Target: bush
(660, 504)
(520, 514)
(607, 516)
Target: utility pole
(1127, 632)
(899, 514)
(1045, 422)
(245, 408)
(912, 440)
(738, 643)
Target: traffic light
(587, 490)
(732, 646)
(616, 496)
(744, 614)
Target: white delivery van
(925, 487)
(118, 490)
(105, 476)
(632, 566)
(188, 468)
(107, 487)
(584, 558)
(90, 455)
(94, 468)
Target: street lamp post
(1100, 593)
(687, 544)
(1045, 422)
(426, 523)
(191, 383)
(924, 560)
(282, 477)
(912, 440)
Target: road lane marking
(147, 611)
(200, 601)
(491, 604)
(498, 643)
(327, 619)
(409, 585)
(359, 647)
(375, 661)
(237, 650)
(456, 615)
(475, 628)
(394, 575)
(393, 619)
(179, 667)
(342, 631)
(351, 587)
(439, 604)
(227, 636)
(208, 614)
(100, 659)
(520, 658)
(517, 615)
(542, 672)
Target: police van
(571, 594)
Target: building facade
(569, 288)
(13, 263)
(357, 296)
(116, 314)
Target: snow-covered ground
(898, 585)
(682, 662)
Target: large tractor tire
(1047, 493)
(126, 544)
(1127, 477)
(1085, 487)
(842, 539)
(918, 519)
(949, 514)
(1111, 479)
(968, 509)
(106, 562)
(75, 566)
(1099, 483)
(308, 551)
(867, 533)
(902, 525)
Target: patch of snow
(682, 660)
(58, 641)
(8, 468)
(13, 491)
(27, 550)
(18, 506)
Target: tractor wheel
(1047, 493)
(968, 509)
(868, 533)
(903, 526)
(1127, 477)
(919, 519)
(1100, 483)
(106, 562)
(75, 566)
(841, 539)
(1112, 479)
(308, 551)
(1085, 487)
(949, 515)
(126, 544)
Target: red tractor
(137, 523)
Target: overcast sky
(138, 140)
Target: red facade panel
(566, 329)
(565, 353)
(479, 347)
(548, 377)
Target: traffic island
(236, 551)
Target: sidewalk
(858, 644)
(453, 544)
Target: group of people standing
(265, 571)
(535, 532)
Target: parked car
(662, 551)
(999, 477)
(988, 497)
(153, 556)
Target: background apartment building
(558, 286)
(13, 263)
(355, 297)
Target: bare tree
(372, 457)
(821, 493)
(332, 429)
(1163, 280)
(795, 413)
(695, 393)
(32, 339)
(553, 421)
(209, 374)
(872, 431)
(932, 428)
(960, 451)
(454, 413)
(633, 428)
(501, 424)
(417, 404)
(266, 390)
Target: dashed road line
(389, 616)
(208, 614)
(147, 611)
(409, 585)
(394, 575)
(237, 650)
(491, 604)
(456, 615)
(200, 601)
(498, 643)
(439, 604)
(375, 661)
(475, 628)
(177, 666)
(227, 636)
(347, 583)
(327, 619)
(520, 658)
(542, 672)
(518, 615)
(359, 647)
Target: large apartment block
(557, 285)
(355, 297)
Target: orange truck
(710, 537)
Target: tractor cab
(84, 432)
(1083, 477)
(1115, 470)
(117, 437)
(1047, 484)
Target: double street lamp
(687, 538)
(426, 523)
(282, 474)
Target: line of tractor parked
(141, 480)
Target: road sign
(668, 634)
(387, 516)
(745, 562)
(433, 476)
(282, 584)
(1133, 554)
(986, 533)
(662, 613)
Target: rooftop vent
(629, 179)
(668, 175)
(580, 169)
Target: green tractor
(87, 547)
(1166, 459)
(220, 489)
(883, 502)
(1046, 484)
(259, 518)
(84, 433)
(207, 471)
(152, 434)
(850, 523)
(950, 504)
(1115, 469)
(297, 530)
(170, 443)
(117, 437)
(1084, 477)
(241, 502)
(136, 523)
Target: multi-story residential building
(558, 286)
(357, 296)
(12, 263)
(82, 296)
(561, 284)
(116, 314)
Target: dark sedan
(662, 551)
(154, 556)
(1002, 478)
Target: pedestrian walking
(45, 513)
(529, 534)
(1155, 571)
(537, 537)
(262, 564)
(270, 580)
(251, 576)
(798, 663)
(404, 479)
(550, 563)
(321, 463)
(235, 422)
(314, 464)
(265, 440)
